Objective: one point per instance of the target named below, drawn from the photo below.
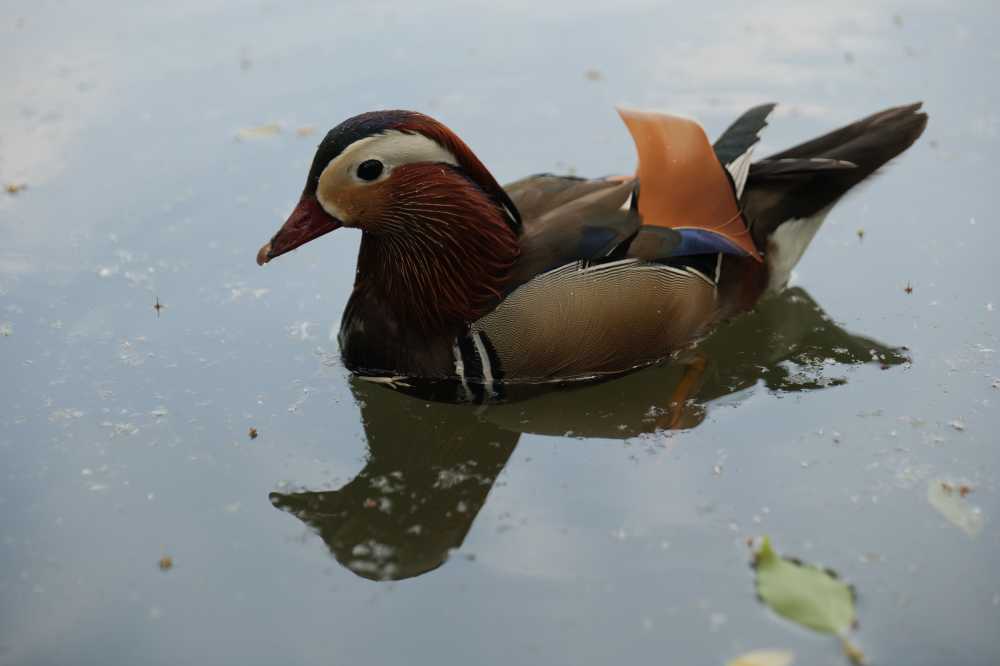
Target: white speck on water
(620, 534)
(6, 329)
(957, 425)
(717, 470)
(151, 496)
(98, 487)
(86, 471)
(129, 355)
(136, 278)
(300, 330)
(107, 271)
(989, 307)
(65, 414)
(232, 507)
(117, 429)
(716, 620)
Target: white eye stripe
(392, 148)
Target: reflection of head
(428, 474)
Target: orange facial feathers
(681, 182)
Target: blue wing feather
(703, 241)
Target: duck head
(431, 213)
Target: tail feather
(775, 195)
(788, 194)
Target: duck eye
(369, 170)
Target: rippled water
(161, 146)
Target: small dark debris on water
(166, 563)
(15, 188)
(861, 234)
(963, 490)
(157, 305)
(253, 433)
(593, 75)
(908, 288)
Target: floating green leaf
(763, 658)
(803, 593)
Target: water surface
(580, 527)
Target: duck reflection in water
(430, 470)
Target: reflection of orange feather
(681, 182)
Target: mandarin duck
(557, 279)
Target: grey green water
(591, 526)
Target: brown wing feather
(576, 223)
(537, 195)
(682, 184)
(578, 322)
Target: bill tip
(263, 254)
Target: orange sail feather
(682, 184)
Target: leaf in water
(763, 658)
(803, 593)
(950, 502)
(258, 132)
